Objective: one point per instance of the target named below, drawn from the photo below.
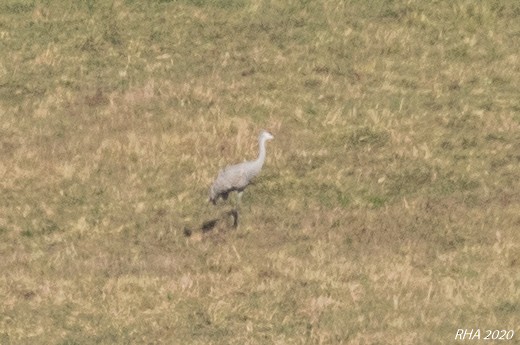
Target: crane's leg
(239, 198)
(234, 214)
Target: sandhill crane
(237, 177)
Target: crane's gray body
(237, 177)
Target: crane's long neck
(261, 153)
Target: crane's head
(265, 135)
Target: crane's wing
(232, 177)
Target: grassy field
(388, 210)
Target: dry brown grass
(387, 212)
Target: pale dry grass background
(388, 210)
